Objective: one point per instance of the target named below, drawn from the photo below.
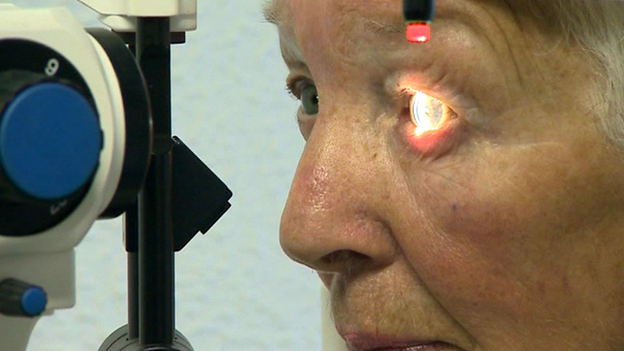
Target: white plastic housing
(121, 15)
(59, 30)
(47, 258)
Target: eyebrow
(382, 27)
(271, 13)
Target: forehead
(330, 36)
(388, 14)
(380, 15)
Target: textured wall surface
(236, 290)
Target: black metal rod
(131, 233)
(131, 238)
(156, 281)
(154, 56)
(156, 254)
(133, 295)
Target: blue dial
(50, 141)
(33, 301)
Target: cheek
(495, 235)
(465, 249)
(463, 223)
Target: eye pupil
(310, 100)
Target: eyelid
(404, 96)
(404, 93)
(295, 85)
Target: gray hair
(597, 28)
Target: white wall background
(236, 290)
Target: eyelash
(295, 86)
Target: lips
(362, 342)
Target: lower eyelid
(305, 122)
(434, 143)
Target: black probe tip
(418, 10)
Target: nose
(336, 218)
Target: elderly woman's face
(501, 230)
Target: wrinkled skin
(502, 231)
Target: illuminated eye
(427, 112)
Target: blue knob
(50, 141)
(34, 301)
(18, 298)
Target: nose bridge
(344, 148)
(330, 169)
(331, 206)
(340, 161)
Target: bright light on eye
(427, 112)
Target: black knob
(21, 299)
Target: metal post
(156, 254)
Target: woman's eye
(428, 113)
(309, 99)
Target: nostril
(345, 261)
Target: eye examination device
(418, 15)
(85, 134)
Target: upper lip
(367, 342)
